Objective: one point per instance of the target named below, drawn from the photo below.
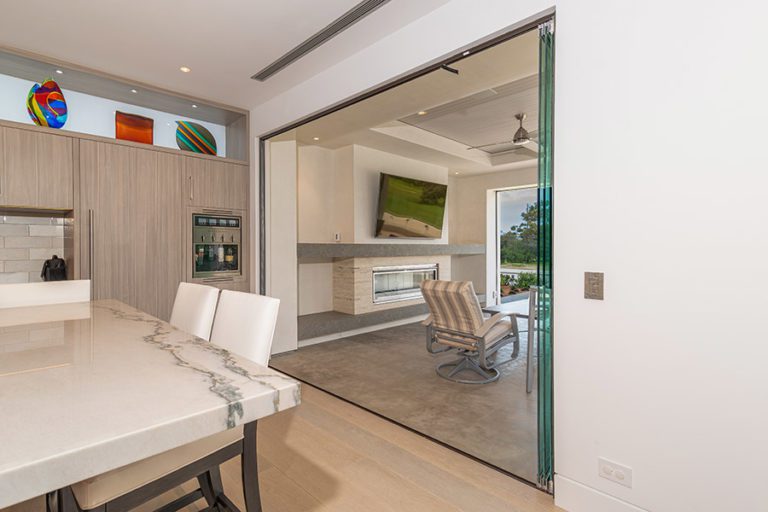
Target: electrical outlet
(337, 237)
(615, 472)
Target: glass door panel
(544, 270)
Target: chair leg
(250, 469)
(68, 503)
(210, 484)
(450, 369)
(52, 500)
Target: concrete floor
(391, 373)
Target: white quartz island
(90, 387)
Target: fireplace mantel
(306, 250)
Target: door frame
(493, 242)
(547, 18)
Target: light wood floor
(327, 455)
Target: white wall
(666, 375)
(316, 193)
(315, 286)
(282, 270)
(338, 192)
(368, 165)
(96, 116)
(468, 199)
(325, 194)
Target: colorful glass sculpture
(194, 137)
(134, 127)
(46, 105)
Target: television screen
(410, 208)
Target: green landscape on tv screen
(410, 208)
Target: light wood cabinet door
(37, 170)
(157, 230)
(105, 177)
(55, 172)
(131, 217)
(20, 155)
(213, 184)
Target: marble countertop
(90, 387)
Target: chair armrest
(495, 319)
(427, 321)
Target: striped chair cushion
(453, 305)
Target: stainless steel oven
(216, 245)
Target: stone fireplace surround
(353, 281)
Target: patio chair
(456, 322)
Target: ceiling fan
(522, 139)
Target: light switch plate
(593, 285)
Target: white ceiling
(475, 107)
(486, 117)
(224, 43)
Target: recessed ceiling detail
(486, 117)
(339, 25)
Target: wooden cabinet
(212, 184)
(37, 170)
(131, 224)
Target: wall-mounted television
(410, 208)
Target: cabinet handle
(90, 249)
(191, 188)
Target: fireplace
(401, 282)
(369, 284)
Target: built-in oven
(216, 245)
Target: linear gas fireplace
(401, 282)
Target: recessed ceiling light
(422, 112)
(184, 69)
(60, 72)
(194, 106)
(134, 91)
(315, 138)
(457, 172)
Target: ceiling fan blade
(491, 144)
(532, 146)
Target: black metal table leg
(250, 469)
(211, 486)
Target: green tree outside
(518, 245)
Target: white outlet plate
(614, 472)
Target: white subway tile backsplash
(14, 230)
(55, 230)
(11, 219)
(43, 253)
(14, 277)
(27, 241)
(24, 266)
(14, 254)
